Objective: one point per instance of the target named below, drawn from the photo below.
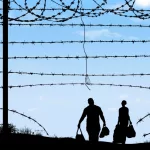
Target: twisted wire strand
(30, 118)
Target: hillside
(32, 139)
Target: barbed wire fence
(142, 119)
(30, 118)
(77, 9)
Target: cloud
(142, 3)
(112, 109)
(124, 96)
(133, 38)
(32, 109)
(137, 20)
(41, 98)
(94, 34)
(139, 100)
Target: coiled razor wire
(74, 7)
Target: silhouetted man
(124, 120)
(93, 113)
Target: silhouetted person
(124, 120)
(93, 113)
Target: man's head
(91, 101)
(124, 103)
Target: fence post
(5, 67)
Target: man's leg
(94, 136)
(124, 140)
(90, 135)
(97, 136)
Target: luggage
(104, 132)
(79, 137)
(130, 131)
(117, 137)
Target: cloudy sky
(58, 108)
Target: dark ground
(58, 142)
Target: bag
(104, 132)
(130, 131)
(117, 137)
(79, 137)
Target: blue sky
(58, 108)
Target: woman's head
(123, 103)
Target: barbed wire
(142, 119)
(41, 16)
(78, 57)
(87, 79)
(81, 25)
(84, 9)
(73, 84)
(73, 74)
(30, 118)
(69, 42)
(75, 13)
(146, 134)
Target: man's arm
(82, 118)
(102, 117)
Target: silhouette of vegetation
(14, 130)
(147, 141)
(26, 131)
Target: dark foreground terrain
(59, 142)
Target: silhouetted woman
(124, 120)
